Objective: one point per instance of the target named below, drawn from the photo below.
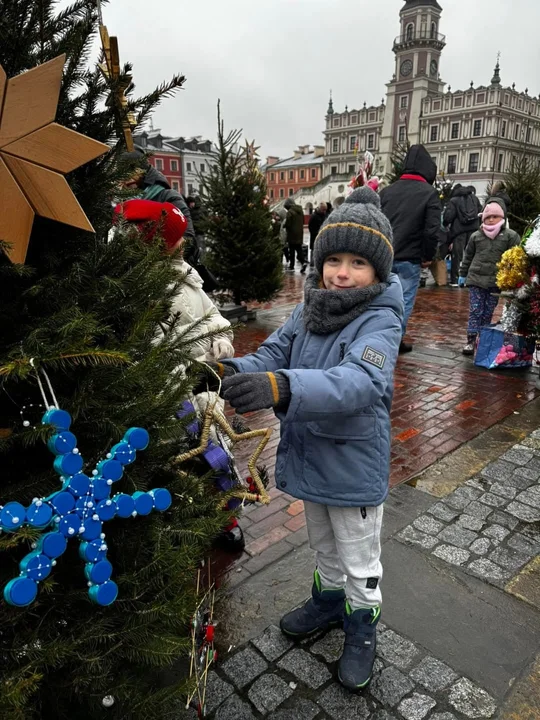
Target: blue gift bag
(499, 349)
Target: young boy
(328, 372)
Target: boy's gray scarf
(326, 311)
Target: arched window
(409, 33)
(433, 30)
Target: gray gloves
(247, 392)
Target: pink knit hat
(493, 208)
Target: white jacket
(191, 304)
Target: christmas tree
(523, 188)
(89, 313)
(397, 162)
(243, 251)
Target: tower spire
(330, 110)
(496, 79)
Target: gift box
(499, 349)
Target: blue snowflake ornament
(79, 510)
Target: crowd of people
(328, 371)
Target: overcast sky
(273, 62)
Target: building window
(500, 163)
(302, 174)
(452, 162)
(174, 165)
(516, 134)
(333, 170)
(529, 133)
(371, 142)
(354, 119)
(455, 131)
(436, 105)
(372, 117)
(159, 164)
(272, 177)
(409, 32)
(507, 99)
(313, 173)
(291, 174)
(402, 134)
(404, 102)
(281, 192)
(474, 161)
(477, 128)
(291, 192)
(335, 145)
(352, 168)
(434, 133)
(188, 167)
(458, 102)
(202, 167)
(282, 176)
(336, 122)
(190, 189)
(272, 194)
(481, 98)
(503, 128)
(175, 185)
(433, 30)
(352, 142)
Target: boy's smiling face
(344, 271)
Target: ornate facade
(473, 135)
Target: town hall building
(473, 135)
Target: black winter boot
(356, 664)
(324, 610)
(471, 343)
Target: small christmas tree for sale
(243, 251)
(397, 162)
(523, 188)
(85, 314)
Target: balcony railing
(424, 36)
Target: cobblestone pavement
(490, 526)
(441, 401)
(274, 678)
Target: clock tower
(418, 49)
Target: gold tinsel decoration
(514, 269)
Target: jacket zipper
(363, 512)
(342, 351)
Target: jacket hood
(193, 278)
(154, 177)
(500, 202)
(418, 162)
(391, 298)
(296, 209)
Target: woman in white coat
(193, 315)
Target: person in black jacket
(315, 224)
(154, 186)
(414, 209)
(462, 217)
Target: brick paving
(441, 401)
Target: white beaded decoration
(108, 701)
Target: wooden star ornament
(35, 153)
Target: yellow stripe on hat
(365, 228)
(274, 385)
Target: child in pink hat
(479, 267)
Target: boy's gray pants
(348, 550)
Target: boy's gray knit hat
(359, 227)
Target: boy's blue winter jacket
(335, 435)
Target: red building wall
(288, 179)
(165, 163)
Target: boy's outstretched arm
(275, 352)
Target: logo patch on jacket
(374, 357)
(372, 583)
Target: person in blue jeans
(414, 208)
